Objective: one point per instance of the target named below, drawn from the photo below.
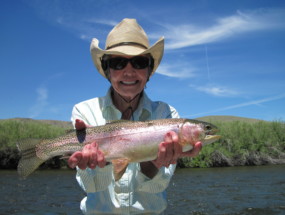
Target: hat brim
(156, 51)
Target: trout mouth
(211, 139)
(211, 134)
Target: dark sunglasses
(137, 62)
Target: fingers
(90, 156)
(168, 151)
(97, 157)
(101, 162)
(173, 147)
(74, 159)
(159, 161)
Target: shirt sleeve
(157, 184)
(95, 180)
(173, 113)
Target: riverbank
(244, 142)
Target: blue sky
(221, 57)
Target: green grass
(14, 130)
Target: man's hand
(90, 156)
(170, 150)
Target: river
(203, 191)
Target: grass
(14, 130)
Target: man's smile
(129, 83)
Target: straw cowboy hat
(127, 38)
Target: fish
(122, 142)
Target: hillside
(228, 119)
(58, 123)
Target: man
(128, 62)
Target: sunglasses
(137, 62)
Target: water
(231, 191)
(211, 191)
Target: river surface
(203, 191)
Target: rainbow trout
(121, 142)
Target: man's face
(128, 81)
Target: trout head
(193, 131)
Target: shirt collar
(144, 105)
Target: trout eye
(208, 129)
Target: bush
(242, 143)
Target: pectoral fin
(120, 166)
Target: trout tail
(29, 161)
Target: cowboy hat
(127, 38)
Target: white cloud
(107, 22)
(180, 36)
(183, 71)
(216, 90)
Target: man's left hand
(170, 150)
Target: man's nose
(129, 69)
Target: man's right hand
(90, 156)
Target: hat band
(126, 43)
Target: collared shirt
(134, 193)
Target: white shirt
(134, 193)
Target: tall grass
(12, 131)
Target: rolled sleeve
(95, 180)
(157, 184)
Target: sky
(221, 57)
